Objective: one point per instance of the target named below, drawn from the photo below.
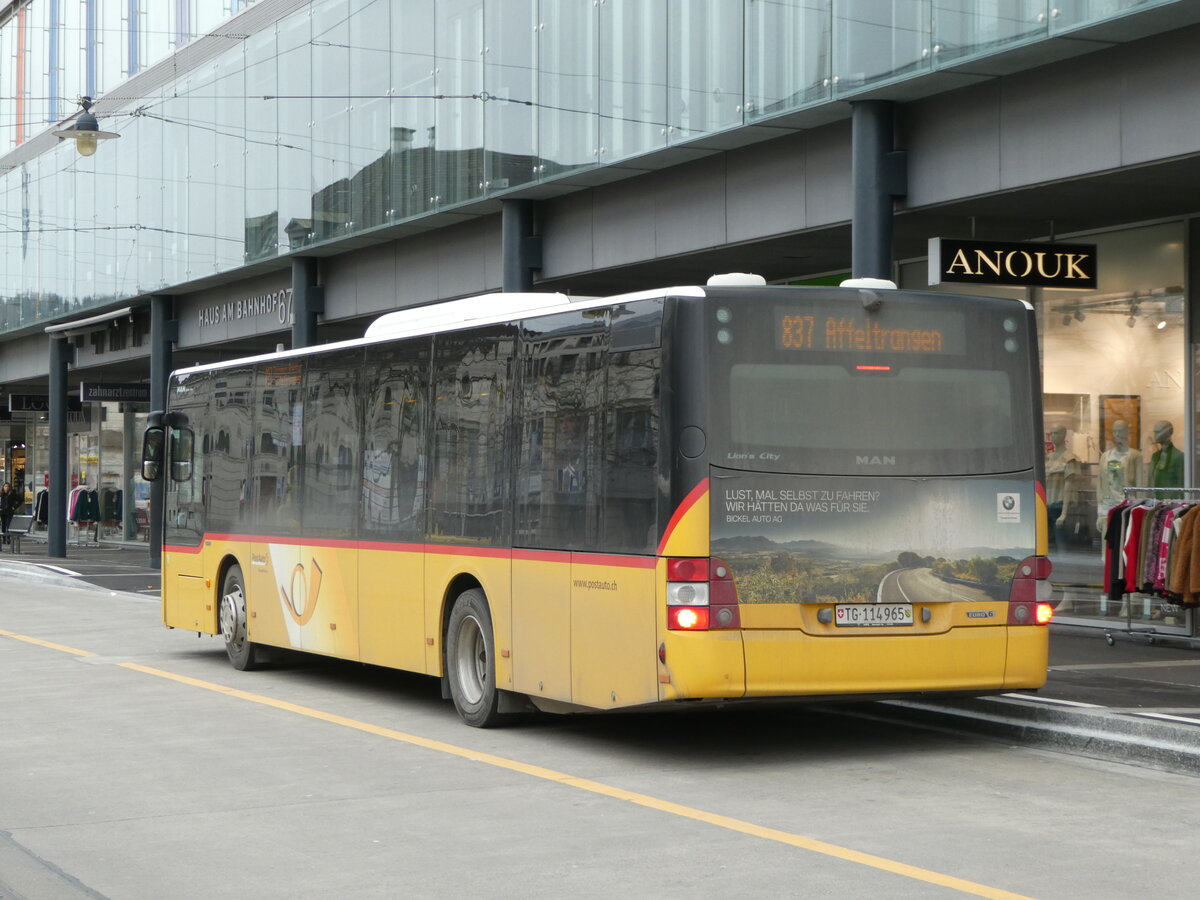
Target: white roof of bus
(483, 309)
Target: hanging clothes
(1153, 547)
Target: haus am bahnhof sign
(953, 261)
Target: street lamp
(85, 130)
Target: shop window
(1115, 410)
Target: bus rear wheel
(242, 653)
(471, 660)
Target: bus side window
(228, 449)
(331, 453)
(278, 447)
(631, 452)
(396, 393)
(561, 415)
(469, 485)
(182, 451)
(184, 499)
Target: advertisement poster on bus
(810, 539)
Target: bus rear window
(902, 420)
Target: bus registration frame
(873, 615)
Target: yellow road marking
(583, 784)
(62, 648)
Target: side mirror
(152, 452)
(182, 440)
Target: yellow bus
(698, 493)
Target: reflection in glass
(412, 130)
(704, 67)
(227, 447)
(331, 452)
(175, 161)
(510, 131)
(788, 47)
(347, 115)
(370, 113)
(469, 485)
(262, 233)
(458, 135)
(633, 78)
(1068, 14)
(964, 28)
(394, 463)
(229, 169)
(330, 121)
(877, 42)
(295, 108)
(199, 130)
(567, 86)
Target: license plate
(867, 614)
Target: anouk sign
(953, 261)
(275, 305)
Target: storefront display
(1113, 373)
(108, 500)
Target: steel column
(164, 332)
(308, 301)
(879, 176)
(61, 353)
(520, 247)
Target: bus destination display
(906, 331)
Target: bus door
(277, 590)
(188, 602)
(325, 587)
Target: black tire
(471, 660)
(243, 655)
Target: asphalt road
(134, 763)
(916, 585)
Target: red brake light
(701, 595)
(873, 368)
(687, 618)
(687, 570)
(1029, 592)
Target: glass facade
(351, 115)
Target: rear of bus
(873, 484)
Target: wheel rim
(472, 661)
(233, 617)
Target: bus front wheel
(470, 660)
(242, 653)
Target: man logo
(875, 460)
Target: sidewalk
(111, 566)
(1131, 700)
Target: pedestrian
(9, 504)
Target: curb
(1162, 742)
(24, 571)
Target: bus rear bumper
(790, 663)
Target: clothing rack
(1152, 635)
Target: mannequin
(1166, 463)
(1062, 484)
(1120, 467)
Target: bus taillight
(687, 618)
(722, 596)
(1029, 597)
(701, 595)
